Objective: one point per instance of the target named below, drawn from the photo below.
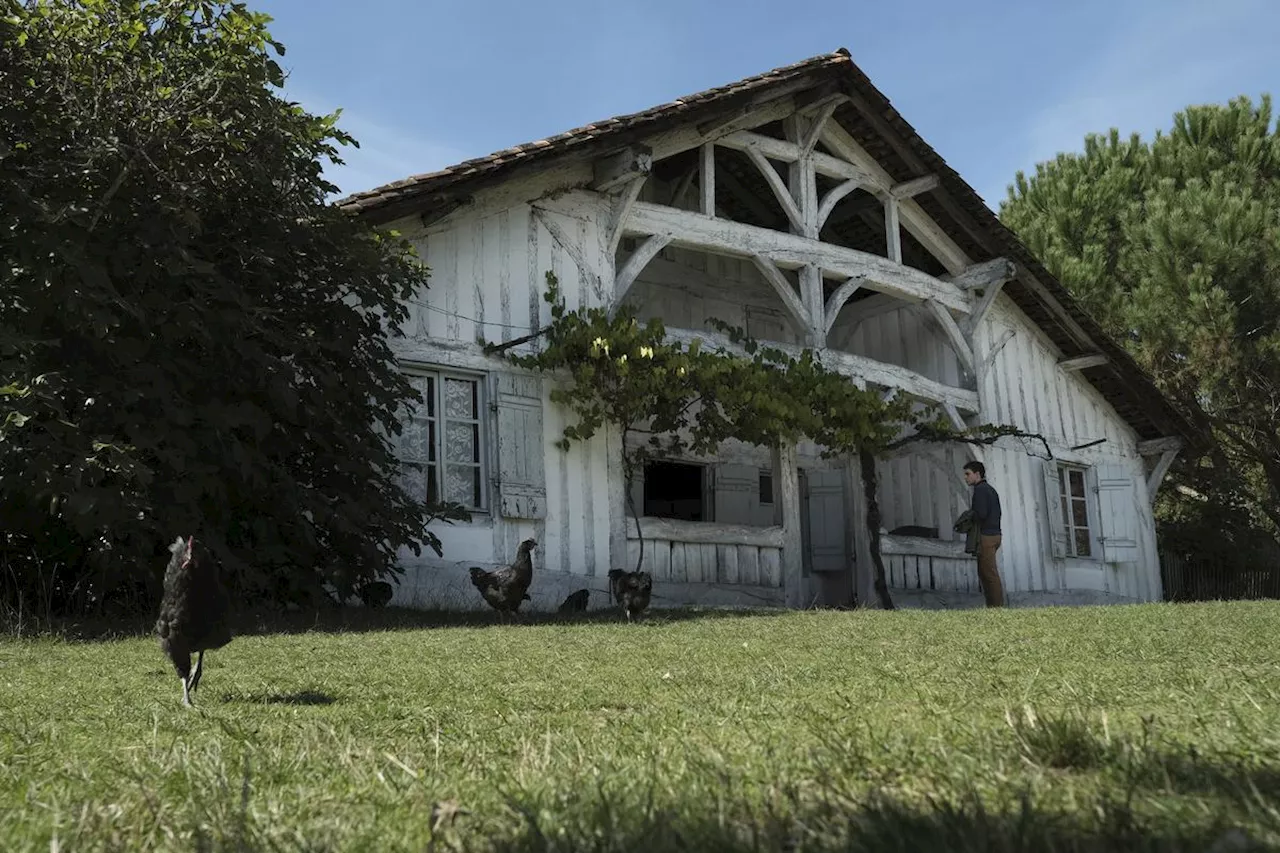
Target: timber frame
(945, 253)
(957, 303)
(950, 302)
(808, 175)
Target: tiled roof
(607, 131)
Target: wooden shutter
(737, 498)
(1057, 525)
(521, 477)
(1117, 514)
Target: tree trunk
(631, 502)
(629, 473)
(868, 460)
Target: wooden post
(859, 544)
(707, 178)
(786, 510)
(811, 296)
(892, 233)
(802, 181)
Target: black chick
(376, 594)
(194, 612)
(505, 588)
(632, 590)
(576, 601)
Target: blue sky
(993, 85)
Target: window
(1075, 510)
(443, 439)
(766, 488)
(676, 490)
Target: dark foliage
(190, 337)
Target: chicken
(575, 601)
(632, 590)
(376, 594)
(194, 612)
(505, 588)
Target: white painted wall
(487, 277)
(1023, 387)
(487, 268)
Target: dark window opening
(675, 490)
(766, 489)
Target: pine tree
(1174, 246)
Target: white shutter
(736, 493)
(521, 477)
(1117, 514)
(1053, 510)
(826, 521)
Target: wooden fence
(1206, 580)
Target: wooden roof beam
(626, 276)
(1159, 445)
(736, 239)
(780, 191)
(913, 188)
(838, 299)
(795, 308)
(1082, 362)
(1156, 477)
(918, 223)
(790, 152)
(985, 275)
(856, 367)
(632, 162)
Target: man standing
(986, 511)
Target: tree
(1174, 246)
(191, 339)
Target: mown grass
(1121, 728)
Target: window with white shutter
(1068, 504)
(1073, 494)
(443, 440)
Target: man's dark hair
(977, 467)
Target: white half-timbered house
(799, 205)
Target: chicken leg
(195, 675)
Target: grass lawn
(1150, 727)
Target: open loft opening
(684, 287)
(852, 213)
(799, 246)
(676, 490)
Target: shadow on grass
(302, 697)
(1149, 795)
(1071, 741)
(355, 619)
(822, 822)
(882, 824)
(1209, 808)
(337, 620)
